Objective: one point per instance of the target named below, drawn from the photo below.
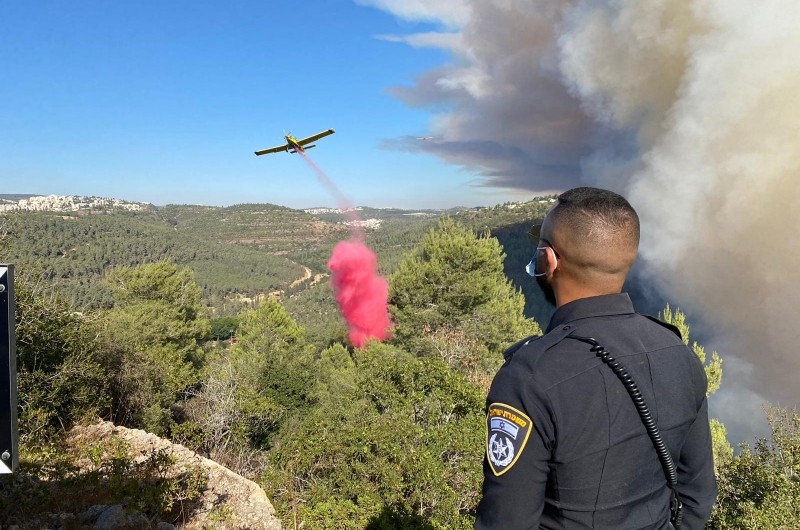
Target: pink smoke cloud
(360, 292)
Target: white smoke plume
(690, 108)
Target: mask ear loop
(555, 257)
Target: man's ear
(552, 261)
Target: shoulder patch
(670, 327)
(507, 432)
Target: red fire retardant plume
(360, 292)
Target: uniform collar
(594, 306)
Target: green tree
(250, 389)
(395, 435)
(270, 330)
(316, 310)
(759, 489)
(60, 376)
(5, 240)
(713, 367)
(223, 328)
(153, 335)
(450, 298)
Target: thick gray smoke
(688, 107)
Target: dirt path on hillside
(306, 277)
(317, 279)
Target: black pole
(9, 436)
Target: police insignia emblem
(507, 431)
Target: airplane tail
(304, 148)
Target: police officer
(565, 447)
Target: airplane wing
(316, 137)
(273, 150)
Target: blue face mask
(530, 268)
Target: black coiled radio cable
(676, 507)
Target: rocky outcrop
(229, 501)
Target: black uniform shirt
(566, 448)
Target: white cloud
(451, 42)
(451, 13)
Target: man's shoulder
(523, 372)
(673, 329)
(650, 330)
(530, 348)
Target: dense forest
(239, 254)
(124, 316)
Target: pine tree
(450, 298)
(396, 443)
(759, 488)
(250, 389)
(153, 335)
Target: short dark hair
(588, 212)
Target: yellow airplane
(294, 145)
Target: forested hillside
(273, 229)
(240, 253)
(508, 223)
(388, 436)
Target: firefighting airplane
(294, 145)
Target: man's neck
(567, 295)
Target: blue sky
(165, 102)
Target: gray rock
(61, 520)
(115, 517)
(165, 526)
(244, 499)
(91, 515)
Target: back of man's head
(598, 233)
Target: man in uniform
(565, 446)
